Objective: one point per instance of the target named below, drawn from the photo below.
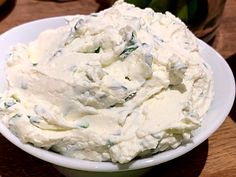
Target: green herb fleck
(127, 78)
(131, 46)
(78, 24)
(205, 65)
(9, 103)
(84, 125)
(130, 96)
(133, 39)
(119, 88)
(35, 64)
(109, 143)
(127, 51)
(97, 50)
(16, 116)
(33, 119)
(57, 53)
(94, 15)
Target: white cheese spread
(109, 86)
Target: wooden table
(216, 157)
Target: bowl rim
(156, 159)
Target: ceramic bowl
(224, 87)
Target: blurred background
(202, 16)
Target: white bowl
(224, 87)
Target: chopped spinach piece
(112, 106)
(97, 50)
(133, 39)
(131, 46)
(127, 51)
(9, 103)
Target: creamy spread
(109, 86)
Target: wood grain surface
(216, 157)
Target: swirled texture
(108, 86)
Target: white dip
(108, 86)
